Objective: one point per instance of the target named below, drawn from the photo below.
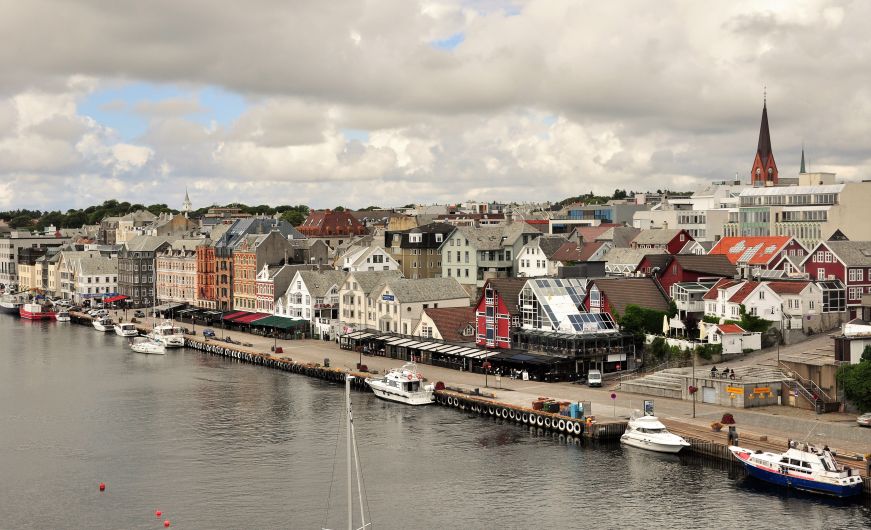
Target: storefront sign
(388, 297)
(762, 390)
(735, 390)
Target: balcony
(326, 305)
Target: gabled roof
(722, 283)
(451, 321)
(147, 243)
(369, 280)
(591, 233)
(509, 289)
(621, 236)
(730, 329)
(622, 292)
(656, 236)
(629, 256)
(588, 249)
(90, 266)
(707, 264)
(319, 283)
(851, 253)
(787, 287)
(424, 290)
(549, 244)
(744, 291)
(755, 250)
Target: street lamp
(486, 367)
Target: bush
(855, 379)
(707, 351)
(640, 320)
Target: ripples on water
(217, 444)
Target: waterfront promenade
(777, 423)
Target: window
(438, 238)
(821, 274)
(467, 273)
(762, 295)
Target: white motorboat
(403, 385)
(126, 329)
(647, 432)
(147, 345)
(803, 467)
(103, 324)
(168, 334)
(62, 316)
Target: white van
(594, 378)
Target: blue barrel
(573, 410)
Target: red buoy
(158, 513)
(102, 486)
(166, 524)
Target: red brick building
(206, 288)
(335, 227)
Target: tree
(619, 194)
(21, 221)
(339, 209)
(294, 217)
(855, 379)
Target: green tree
(21, 221)
(339, 209)
(855, 379)
(294, 217)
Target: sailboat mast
(350, 492)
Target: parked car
(864, 420)
(594, 378)
(139, 314)
(209, 333)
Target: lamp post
(782, 331)
(486, 367)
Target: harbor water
(214, 443)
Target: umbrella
(703, 333)
(665, 326)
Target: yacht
(147, 345)
(403, 385)
(10, 303)
(62, 316)
(126, 329)
(168, 334)
(647, 432)
(802, 467)
(103, 324)
(32, 311)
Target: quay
(706, 444)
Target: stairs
(666, 383)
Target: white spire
(186, 205)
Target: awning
(250, 318)
(231, 316)
(169, 306)
(117, 298)
(279, 322)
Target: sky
(389, 102)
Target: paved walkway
(785, 422)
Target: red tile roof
(329, 223)
(722, 283)
(590, 233)
(745, 290)
(787, 287)
(589, 249)
(451, 321)
(730, 328)
(756, 250)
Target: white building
(535, 257)
(95, 278)
(314, 296)
(398, 304)
(175, 270)
(367, 258)
(356, 310)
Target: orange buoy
(158, 513)
(166, 524)
(102, 486)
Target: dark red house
(669, 269)
(847, 261)
(496, 312)
(613, 295)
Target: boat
(126, 329)
(33, 311)
(802, 467)
(62, 316)
(10, 304)
(168, 334)
(647, 432)
(403, 385)
(147, 345)
(103, 324)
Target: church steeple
(764, 172)
(186, 206)
(802, 169)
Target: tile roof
(570, 251)
(588, 249)
(622, 292)
(707, 264)
(755, 250)
(424, 290)
(744, 291)
(722, 283)
(629, 256)
(509, 289)
(729, 329)
(549, 244)
(451, 321)
(147, 243)
(852, 253)
(319, 283)
(787, 287)
(369, 280)
(93, 265)
(621, 236)
(656, 236)
(591, 233)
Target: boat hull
(9, 309)
(33, 315)
(812, 486)
(148, 349)
(121, 332)
(651, 446)
(103, 328)
(397, 396)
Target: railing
(808, 384)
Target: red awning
(117, 298)
(250, 317)
(237, 314)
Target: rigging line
(361, 482)
(359, 474)
(333, 474)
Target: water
(217, 444)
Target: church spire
(186, 205)
(802, 170)
(764, 172)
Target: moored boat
(147, 345)
(62, 316)
(10, 304)
(33, 311)
(168, 334)
(802, 467)
(103, 324)
(647, 432)
(403, 385)
(126, 329)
